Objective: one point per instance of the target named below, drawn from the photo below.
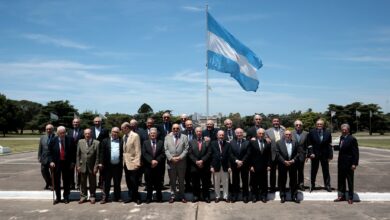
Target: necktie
(154, 148)
(62, 150)
(48, 139)
(74, 134)
(261, 145)
(221, 146)
(126, 136)
(176, 139)
(320, 134)
(239, 144)
(199, 145)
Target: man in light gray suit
(273, 135)
(43, 154)
(300, 136)
(176, 148)
(87, 162)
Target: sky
(113, 56)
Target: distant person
(176, 149)
(239, 156)
(131, 161)
(61, 160)
(346, 164)
(260, 164)
(112, 161)
(191, 135)
(153, 154)
(43, 155)
(183, 119)
(76, 133)
(229, 130)
(273, 135)
(166, 127)
(320, 151)
(300, 136)
(87, 162)
(288, 156)
(199, 155)
(210, 133)
(99, 133)
(220, 166)
(252, 131)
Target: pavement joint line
(305, 196)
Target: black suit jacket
(348, 153)
(251, 132)
(103, 134)
(321, 149)
(164, 130)
(237, 153)
(212, 134)
(226, 134)
(54, 150)
(147, 154)
(282, 154)
(105, 151)
(204, 154)
(80, 135)
(260, 159)
(185, 132)
(220, 159)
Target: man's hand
(239, 163)
(268, 168)
(268, 140)
(312, 156)
(353, 167)
(78, 169)
(253, 139)
(252, 169)
(199, 163)
(52, 165)
(229, 170)
(212, 170)
(154, 163)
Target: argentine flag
(226, 54)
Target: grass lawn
(377, 143)
(18, 146)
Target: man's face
(298, 126)
(49, 130)
(166, 117)
(287, 135)
(149, 123)
(344, 131)
(210, 125)
(152, 135)
(228, 124)
(220, 135)
(260, 134)
(87, 134)
(61, 134)
(320, 125)
(189, 125)
(114, 133)
(275, 123)
(76, 123)
(125, 129)
(258, 120)
(239, 133)
(198, 132)
(183, 119)
(175, 129)
(97, 122)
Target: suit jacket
(172, 150)
(54, 150)
(164, 129)
(195, 154)
(147, 154)
(212, 134)
(237, 153)
(321, 149)
(269, 133)
(303, 141)
(296, 151)
(194, 137)
(80, 135)
(143, 135)
(220, 159)
(227, 137)
(87, 157)
(105, 152)
(251, 132)
(104, 133)
(43, 151)
(158, 134)
(348, 153)
(260, 159)
(132, 151)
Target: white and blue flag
(226, 54)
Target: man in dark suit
(229, 130)
(220, 165)
(166, 127)
(320, 150)
(273, 135)
(112, 161)
(199, 154)
(76, 133)
(252, 131)
(288, 153)
(239, 156)
(62, 161)
(153, 154)
(183, 119)
(346, 164)
(260, 163)
(99, 133)
(191, 135)
(149, 125)
(43, 154)
(300, 136)
(210, 133)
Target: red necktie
(62, 150)
(199, 145)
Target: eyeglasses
(175, 128)
(165, 117)
(298, 125)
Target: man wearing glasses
(252, 131)
(300, 136)
(176, 148)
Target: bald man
(43, 154)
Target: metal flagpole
(207, 68)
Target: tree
(8, 110)
(63, 109)
(27, 110)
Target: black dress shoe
(183, 200)
(148, 201)
(328, 188)
(294, 199)
(171, 200)
(339, 199)
(245, 199)
(66, 201)
(350, 201)
(195, 199)
(254, 200)
(127, 201)
(138, 201)
(56, 201)
(216, 200)
(282, 200)
(264, 200)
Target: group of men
(194, 158)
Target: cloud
(61, 42)
(243, 17)
(193, 8)
(375, 59)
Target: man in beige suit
(131, 161)
(176, 148)
(87, 162)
